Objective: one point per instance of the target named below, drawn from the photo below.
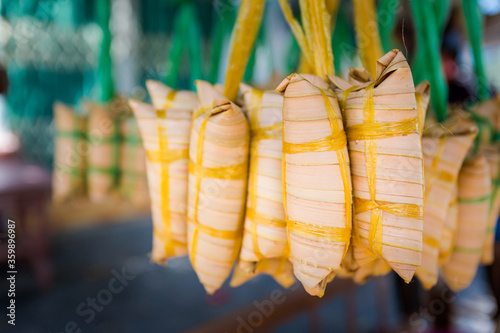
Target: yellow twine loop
(242, 41)
(368, 37)
(314, 38)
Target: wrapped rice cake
(474, 190)
(444, 148)
(69, 153)
(103, 157)
(316, 180)
(218, 170)
(165, 135)
(264, 234)
(133, 180)
(386, 163)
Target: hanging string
(386, 15)
(186, 38)
(428, 42)
(343, 44)
(367, 35)
(242, 40)
(314, 37)
(223, 22)
(194, 44)
(104, 77)
(474, 22)
(250, 68)
(441, 12)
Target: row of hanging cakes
(352, 202)
(323, 177)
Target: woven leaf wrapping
(386, 163)
(165, 134)
(218, 166)
(69, 153)
(474, 190)
(318, 207)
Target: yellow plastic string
(164, 154)
(223, 234)
(167, 156)
(296, 30)
(269, 132)
(421, 111)
(315, 38)
(332, 142)
(264, 219)
(160, 234)
(402, 210)
(242, 40)
(373, 131)
(368, 37)
(323, 232)
(345, 94)
(237, 171)
(332, 7)
(431, 241)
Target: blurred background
(85, 267)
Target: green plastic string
(194, 44)
(249, 71)
(474, 22)
(428, 42)
(441, 9)
(343, 42)
(386, 21)
(105, 86)
(223, 21)
(174, 53)
(292, 56)
(114, 140)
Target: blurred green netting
(51, 49)
(48, 47)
